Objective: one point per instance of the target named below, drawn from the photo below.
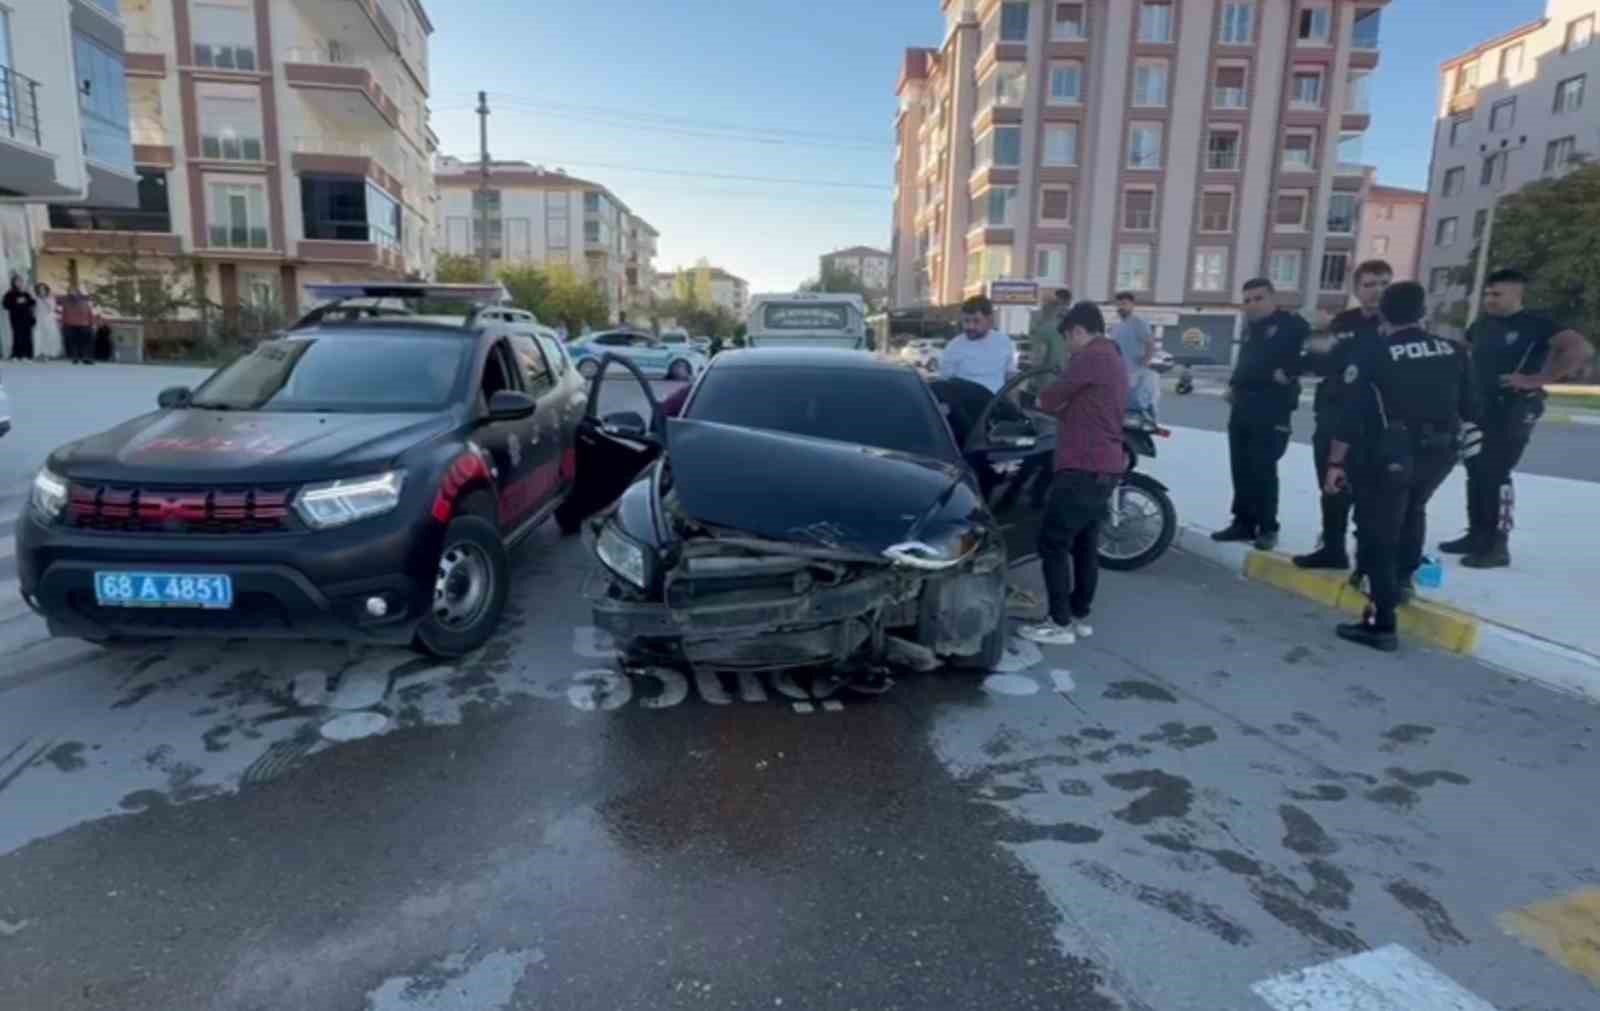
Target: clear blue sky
(595, 86)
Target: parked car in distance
(654, 357)
(360, 480)
(923, 353)
(1162, 361)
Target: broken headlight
(624, 556)
(943, 551)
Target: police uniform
(1405, 397)
(1349, 330)
(1258, 426)
(1502, 345)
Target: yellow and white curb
(1426, 622)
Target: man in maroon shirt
(1088, 402)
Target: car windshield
(882, 408)
(346, 374)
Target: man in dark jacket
(1264, 391)
(20, 306)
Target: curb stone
(1591, 418)
(1443, 627)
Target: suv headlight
(621, 554)
(49, 495)
(936, 553)
(336, 503)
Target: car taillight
(467, 468)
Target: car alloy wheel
(588, 367)
(463, 587)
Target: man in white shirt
(1135, 339)
(981, 353)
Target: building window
(1210, 270)
(1569, 94)
(1150, 84)
(1458, 129)
(1155, 21)
(1298, 152)
(1061, 144)
(224, 36)
(1357, 93)
(1139, 210)
(1366, 30)
(1229, 92)
(1069, 25)
(1283, 269)
(1290, 213)
(1494, 170)
(1002, 207)
(1315, 26)
(1144, 146)
(1001, 147)
(230, 129)
(1380, 245)
(1439, 280)
(237, 215)
(1222, 151)
(1216, 211)
(1014, 22)
(1005, 86)
(1066, 83)
(152, 215)
(1480, 221)
(1238, 23)
(1455, 180)
(1467, 78)
(1055, 205)
(1342, 211)
(558, 221)
(1558, 153)
(1444, 233)
(591, 233)
(1350, 146)
(1503, 115)
(1334, 268)
(1580, 33)
(102, 99)
(1307, 93)
(1133, 268)
(1510, 62)
(1050, 263)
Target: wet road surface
(1209, 794)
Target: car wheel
(588, 367)
(988, 658)
(470, 589)
(680, 371)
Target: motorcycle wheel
(1145, 528)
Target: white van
(808, 319)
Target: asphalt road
(1211, 794)
(1557, 450)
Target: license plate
(163, 589)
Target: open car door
(621, 433)
(1012, 450)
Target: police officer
(1515, 354)
(1264, 391)
(1327, 357)
(1397, 440)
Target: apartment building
(1391, 228)
(1512, 110)
(1173, 148)
(277, 143)
(867, 265)
(545, 216)
(707, 285)
(63, 115)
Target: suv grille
(130, 509)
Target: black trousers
(1489, 474)
(22, 339)
(79, 341)
(1069, 541)
(1392, 523)
(1335, 508)
(1254, 449)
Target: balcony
(1465, 103)
(19, 108)
(145, 55)
(318, 155)
(352, 91)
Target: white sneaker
(1082, 629)
(1049, 634)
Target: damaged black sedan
(807, 508)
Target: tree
(1550, 230)
(454, 268)
(158, 291)
(572, 300)
(528, 286)
(835, 279)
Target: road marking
(750, 688)
(674, 688)
(833, 707)
(11, 603)
(1062, 681)
(1566, 929)
(1388, 979)
(804, 707)
(8, 545)
(599, 690)
(1010, 684)
(710, 688)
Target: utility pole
(483, 185)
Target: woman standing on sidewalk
(46, 328)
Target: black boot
(1466, 544)
(1234, 533)
(1496, 554)
(1371, 633)
(1329, 556)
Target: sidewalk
(1539, 619)
(1556, 413)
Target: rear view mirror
(628, 423)
(511, 405)
(174, 396)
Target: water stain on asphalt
(67, 756)
(1315, 725)
(1418, 780)
(1231, 861)
(1331, 887)
(1406, 733)
(1397, 797)
(1280, 903)
(1106, 755)
(1303, 834)
(1435, 918)
(1168, 900)
(1074, 788)
(1297, 654)
(135, 697)
(1321, 792)
(1099, 734)
(1166, 796)
(1181, 736)
(1144, 691)
(1063, 832)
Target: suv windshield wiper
(212, 405)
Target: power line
(727, 176)
(651, 118)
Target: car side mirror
(626, 423)
(174, 396)
(511, 405)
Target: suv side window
(640, 340)
(495, 376)
(536, 375)
(555, 356)
(611, 340)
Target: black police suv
(357, 480)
